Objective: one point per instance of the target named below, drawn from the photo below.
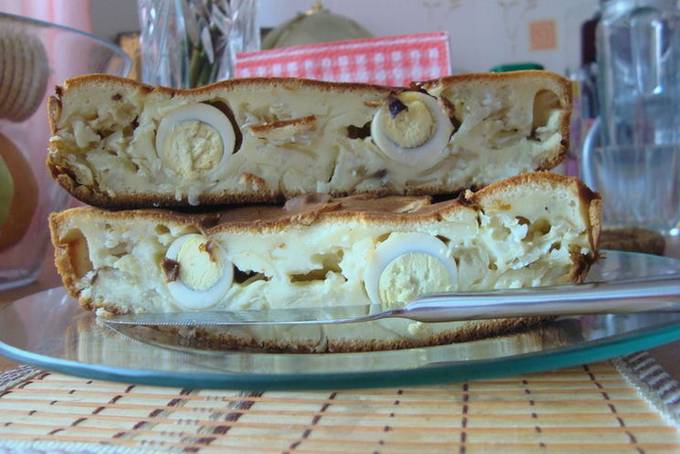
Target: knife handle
(626, 297)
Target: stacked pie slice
(279, 193)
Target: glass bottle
(632, 153)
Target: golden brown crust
(62, 260)
(471, 331)
(208, 339)
(210, 201)
(67, 181)
(54, 110)
(290, 83)
(257, 192)
(388, 209)
(293, 83)
(496, 76)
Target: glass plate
(50, 331)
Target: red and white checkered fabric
(391, 60)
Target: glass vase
(190, 43)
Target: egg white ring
(426, 155)
(205, 113)
(189, 299)
(397, 245)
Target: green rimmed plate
(50, 331)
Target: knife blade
(656, 295)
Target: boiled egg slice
(408, 265)
(196, 140)
(204, 275)
(412, 128)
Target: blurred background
(482, 33)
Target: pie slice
(119, 144)
(535, 229)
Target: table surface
(666, 355)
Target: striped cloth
(392, 60)
(601, 407)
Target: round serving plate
(49, 330)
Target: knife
(657, 295)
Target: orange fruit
(23, 191)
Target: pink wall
(72, 13)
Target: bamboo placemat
(593, 408)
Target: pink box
(390, 60)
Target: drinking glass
(631, 153)
(640, 185)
